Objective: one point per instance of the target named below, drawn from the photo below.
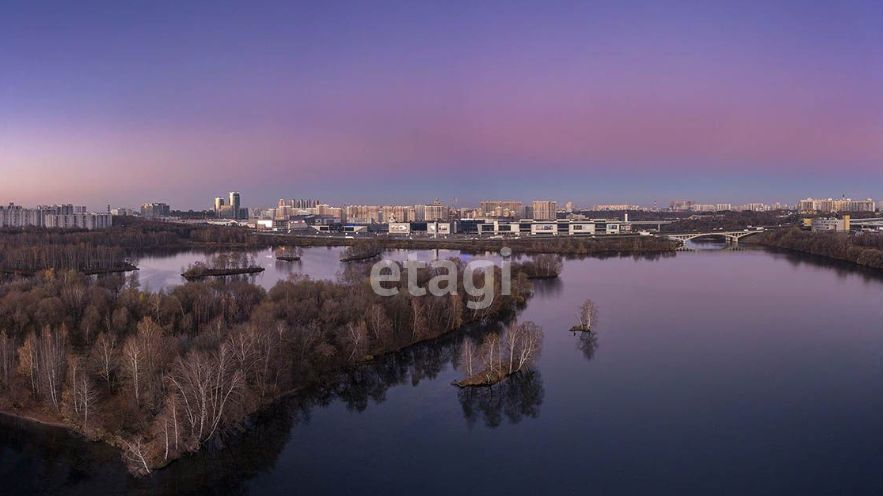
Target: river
(713, 371)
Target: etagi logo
(445, 282)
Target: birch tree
(141, 357)
(587, 315)
(104, 356)
(204, 384)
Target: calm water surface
(712, 372)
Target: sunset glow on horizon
(408, 101)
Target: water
(713, 372)
(164, 272)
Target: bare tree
(379, 325)
(135, 454)
(28, 363)
(204, 383)
(80, 395)
(141, 357)
(52, 358)
(419, 325)
(587, 316)
(529, 342)
(357, 339)
(490, 352)
(467, 357)
(104, 356)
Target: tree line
(31, 250)
(862, 248)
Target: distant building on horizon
(230, 208)
(681, 205)
(544, 210)
(151, 210)
(502, 208)
(431, 213)
(835, 205)
(235, 204)
(616, 207)
(65, 216)
(298, 203)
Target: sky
(404, 102)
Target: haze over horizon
(404, 102)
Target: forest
(161, 375)
(862, 248)
(32, 250)
(731, 221)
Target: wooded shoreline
(863, 249)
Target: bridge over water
(728, 236)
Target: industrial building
(822, 224)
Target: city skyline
(218, 204)
(364, 103)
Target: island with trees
(543, 266)
(500, 355)
(363, 250)
(222, 264)
(289, 254)
(586, 317)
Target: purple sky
(382, 102)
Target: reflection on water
(738, 371)
(547, 287)
(517, 397)
(158, 272)
(587, 343)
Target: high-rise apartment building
(363, 214)
(835, 205)
(430, 213)
(501, 208)
(544, 209)
(398, 213)
(234, 204)
(298, 203)
(150, 210)
(56, 216)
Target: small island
(541, 267)
(220, 265)
(361, 251)
(289, 255)
(586, 317)
(500, 355)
